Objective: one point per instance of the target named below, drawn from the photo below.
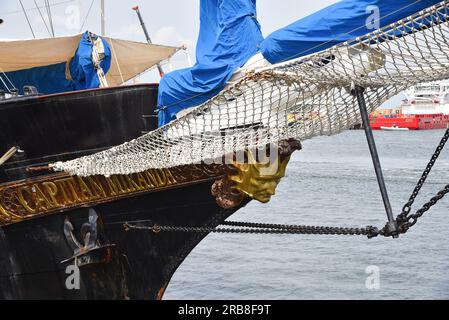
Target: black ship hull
(141, 263)
(44, 216)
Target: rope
(116, 61)
(6, 13)
(7, 78)
(42, 17)
(28, 20)
(50, 18)
(4, 84)
(87, 16)
(97, 45)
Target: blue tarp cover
(229, 36)
(343, 21)
(53, 78)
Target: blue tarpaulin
(79, 74)
(229, 36)
(343, 21)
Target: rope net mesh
(301, 98)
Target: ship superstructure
(427, 98)
(425, 107)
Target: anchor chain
(261, 228)
(405, 220)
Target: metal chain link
(262, 228)
(411, 220)
(408, 206)
(405, 220)
(322, 230)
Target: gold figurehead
(259, 180)
(255, 179)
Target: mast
(103, 22)
(147, 35)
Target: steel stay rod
(358, 92)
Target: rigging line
(6, 86)
(7, 78)
(32, 9)
(50, 18)
(87, 16)
(154, 67)
(26, 16)
(42, 17)
(116, 60)
(48, 15)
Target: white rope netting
(300, 99)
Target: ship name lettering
(63, 192)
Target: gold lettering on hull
(59, 192)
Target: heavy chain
(410, 220)
(261, 228)
(405, 220)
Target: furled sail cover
(229, 36)
(65, 64)
(343, 21)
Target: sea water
(332, 182)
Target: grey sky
(170, 22)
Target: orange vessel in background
(425, 107)
(411, 122)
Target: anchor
(89, 250)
